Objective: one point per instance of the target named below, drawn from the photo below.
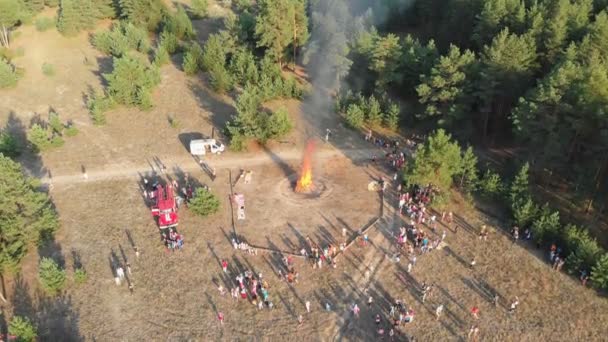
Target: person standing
(370, 301)
(225, 266)
(514, 305)
(439, 311)
(475, 312)
(307, 304)
(356, 310)
(220, 317)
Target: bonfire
(304, 183)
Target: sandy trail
(188, 164)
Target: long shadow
(448, 250)
(29, 159)
(54, 317)
(220, 111)
(483, 289)
(287, 170)
(298, 234)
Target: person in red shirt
(220, 317)
(475, 312)
(225, 266)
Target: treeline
(441, 161)
(531, 72)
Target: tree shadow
(54, 317)
(221, 112)
(28, 158)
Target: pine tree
(104, 9)
(143, 13)
(507, 66)
(385, 57)
(468, 172)
(8, 74)
(51, 276)
(131, 81)
(497, 15)
(556, 30)
(34, 6)
(373, 112)
(86, 14)
(23, 329)
(599, 272)
(546, 227)
(274, 27)
(520, 191)
(27, 214)
(68, 18)
(11, 14)
(418, 60)
(437, 160)
(447, 87)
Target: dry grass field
(175, 295)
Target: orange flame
(305, 182)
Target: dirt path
(188, 164)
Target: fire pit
(298, 188)
(304, 183)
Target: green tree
(68, 18)
(179, 24)
(418, 59)
(169, 42)
(204, 202)
(490, 184)
(373, 112)
(38, 136)
(547, 226)
(524, 212)
(51, 276)
(8, 74)
(468, 178)
(447, 89)
(519, 190)
(161, 56)
(497, 15)
(193, 59)
(86, 14)
(278, 124)
(354, 115)
(104, 9)
(385, 58)
(55, 123)
(131, 82)
(437, 160)
(11, 14)
(274, 27)
(583, 251)
(200, 8)
(214, 52)
(391, 116)
(599, 272)
(34, 6)
(143, 13)
(220, 79)
(507, 66)
(27, 214)
(8, 145)
(243, 67)
(23, 329)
